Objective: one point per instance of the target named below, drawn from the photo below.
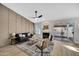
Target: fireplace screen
(45, 35)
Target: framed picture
(45, 27)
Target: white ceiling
(50, 11)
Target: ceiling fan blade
(40, 16)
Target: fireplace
(45, 35)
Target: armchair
(42, 46)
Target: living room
(28, 29)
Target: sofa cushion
(26, 34)
(20, 35)
(23, 35)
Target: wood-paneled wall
(11, 22)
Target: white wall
(76, 33)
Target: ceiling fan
(36, 15)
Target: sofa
(22, 37)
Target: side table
(13, 41)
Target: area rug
(31, 49)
